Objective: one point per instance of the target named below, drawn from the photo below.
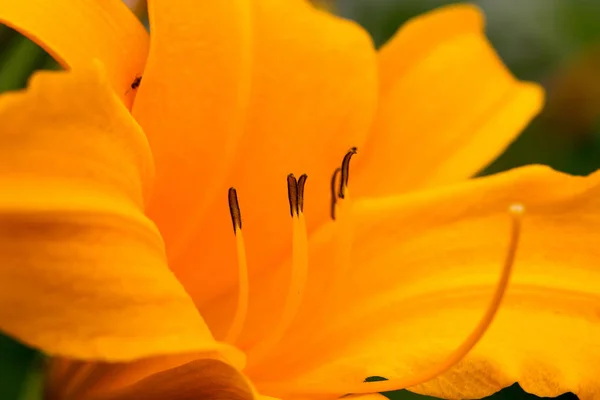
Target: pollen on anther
(292, 184)
(345, 172)
(300, 194)
(234, 210)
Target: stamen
(334, 193)
(298, 274)
(292, 185)
(300, 194)
(234, 210)
(516, 211)
(342, 211)
(346, 172)
(241, 310)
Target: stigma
(515, 213)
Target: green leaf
(19, 58)
(15, 364)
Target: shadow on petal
(200, 379)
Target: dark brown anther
(234, 210)
(345, 172)
(293, 194)
(334, 191)
(301, 183)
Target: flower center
(341, 212)
(299, 271)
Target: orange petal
(68, 378)
(192, 103)
(83, 272)
(200, 379)
(375, 396)
(74, 32)
(448, 105)
(313, 97)
(423, 270)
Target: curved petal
(68, 378)
(448, 105)
(423, 268)
(374, 396)
(313, 97)
(200, 379)
(83, 272)
(192, 103)
(76, 31)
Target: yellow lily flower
(118, 255)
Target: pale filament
(241, 311)
(459, 352)
(342, 242)
(295, 293)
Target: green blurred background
(554, 42)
